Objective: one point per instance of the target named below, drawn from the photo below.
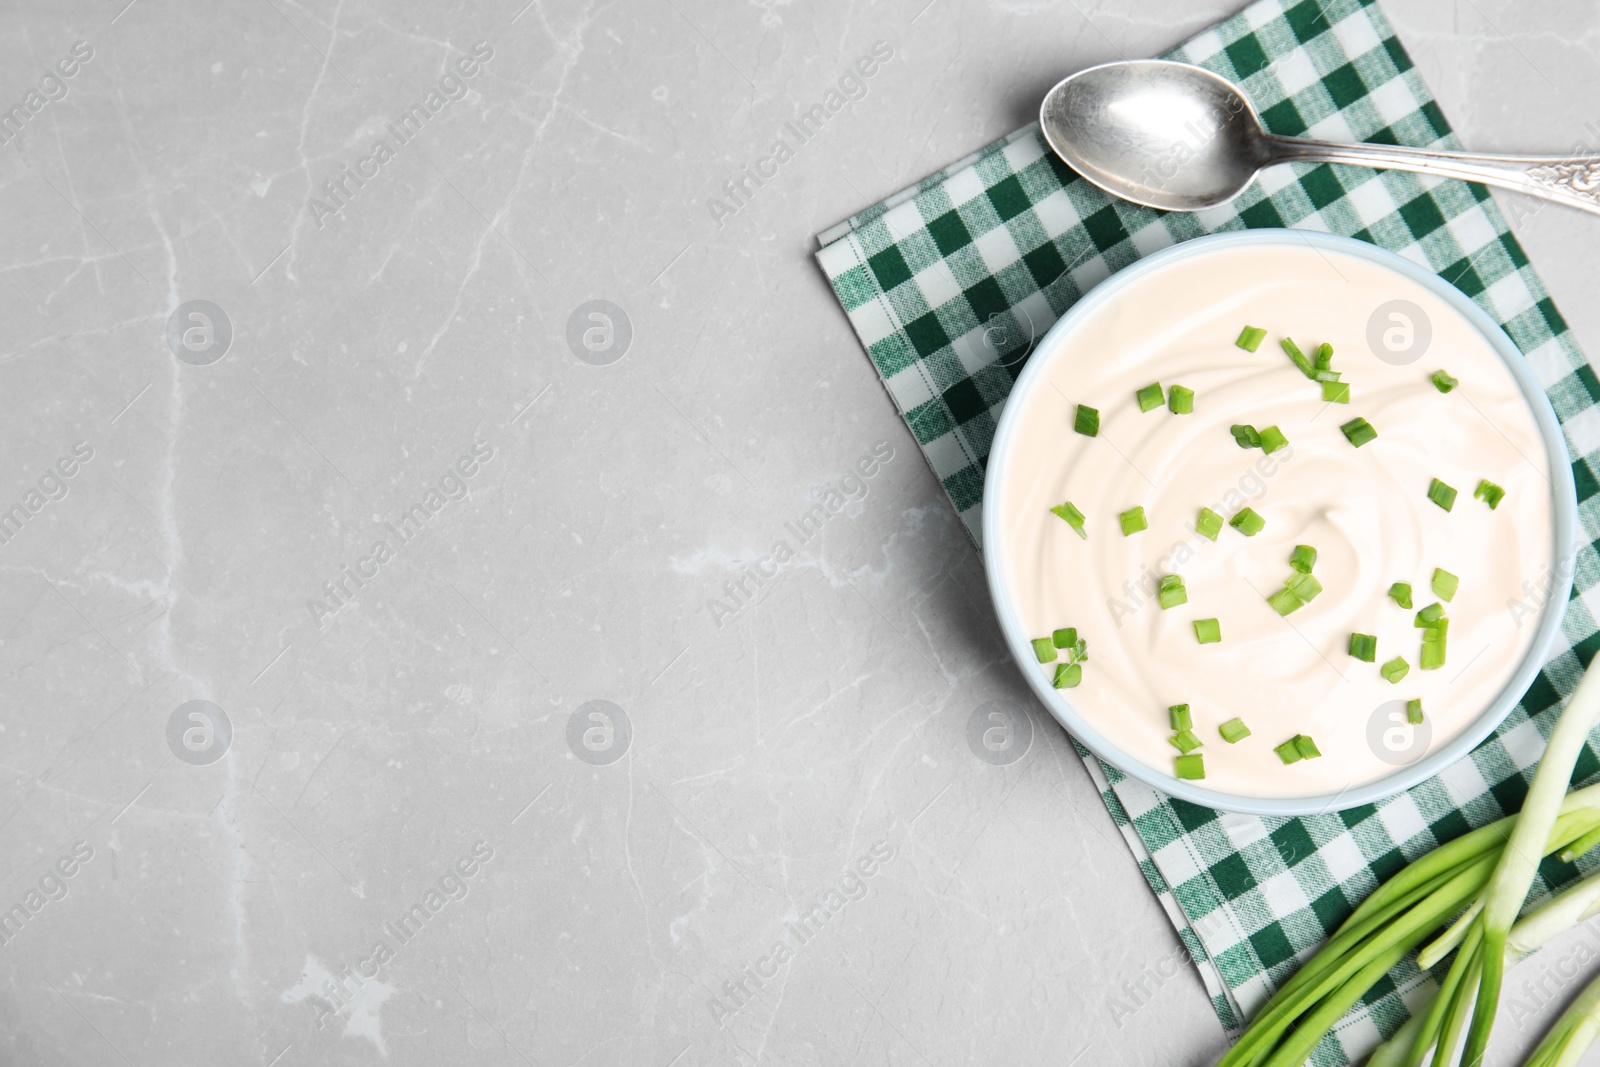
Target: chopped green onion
(1289, 751)
(1068, 675)
(1445, 584)
(1079, 651)
(1149, 397)
(1233, 731)
(1324, 357)
(1245, 435)
(1413, 712)
(1072, 517)
(1207, 631)
(1180, 400)
(1272, 439)
(1133, 521)
(1395, 670)
(1434, 645)
(1191, 766)
(1297, 357)
(1185, 741)
(1303, 558)
(1208, 525)
(1247, 522)
(1306, 747)
(1358, 431)
(1284, 602)
(1180, 717)
(1087, 420)
(1489, 493)
(1171, 592)
(1401, 594)
(1441, 494)
(1364, 647)
(1336, 392)
(1303, 586)
(1043, 650)
(1250, 338)
(1065, 637)
(1429, 615)
(1326, 376)
(1443, 382)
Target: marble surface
(561, 765)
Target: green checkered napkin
(948, 283)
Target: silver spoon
(1180, 138)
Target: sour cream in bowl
(1278, 578)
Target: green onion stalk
(1474, 876)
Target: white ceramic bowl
(1563, 515)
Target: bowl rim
(1564, 527)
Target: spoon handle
(1570, 180)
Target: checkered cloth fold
(947, 284)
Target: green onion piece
(1207, 631)
(1170, 593)
(1289, 751)
(1303, 586)
(1336, 392)
(1149, 397)
(1072, 517)
(1303, 558)
(1079, 651)
(1068, 675)
(1233, 731)
(1489, 493)
(1364, 647)
(1191, 766)
(1436, 633)
(1185, 741)
(1087, 420)
(1395, 670)
(1272, 439)
(1324, 356)
(1429, 615)
(1284, 602)
(1208, 525)
(1443, 382)
(1441, 494)
(1250, 338)
(1358, 431)
(1245, 435)
(1065, 637)
(1326, 376)
(1180, 717)
(1247, 522)
(1297, 357)
(1306, 747)
(1180, 400)
(1133, 521)
(1445, 584)
(1400, 592)
(1433, 651)
(1413, 712)
(1043, 650)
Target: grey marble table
(409, 659)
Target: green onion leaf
(1303, 586)
(1358, 431)
(1289, 752)
(1065, 637)
(1087, 420)
(1336, 392)
(1441, 494)
(1233, 731)
(1079, 651)
(1272, 439)
(1429, 615)
(1170, 593)
(1180, 400)
(1190, 767)
(1250, 338)
(1208, 525)
(1395, 670)
(1185, 741)
(1284, 602)
(1072, 517)
(1247, 522)
(1207, 631)
(1245, 435)
(1400, 592)
(1303, 558)
(1324, 357)
(1043, 650)
(1364, 647)
(1445, 584)
(1443, 382)
(1068, 675)
(1133, 521)
(1297, 357)
(1180, 717)
(1489, 493)
(1306, 747)
(1149, 397)
(1413, 712)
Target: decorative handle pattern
(1581, 179)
